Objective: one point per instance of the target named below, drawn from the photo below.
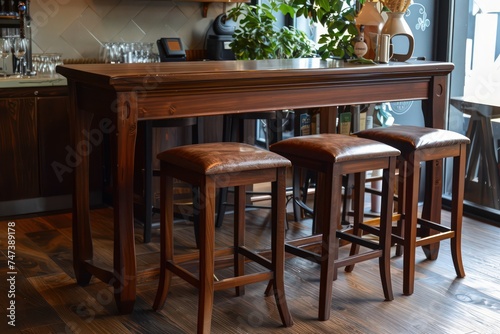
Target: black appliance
(219, 37)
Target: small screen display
(174, 45)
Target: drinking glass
(5, 49)
(20, 48)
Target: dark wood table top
(241, 72)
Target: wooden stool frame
(429, 232)
(328, 203)
(413, 230)
(207, 253)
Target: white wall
(76, 28)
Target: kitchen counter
(36, 81)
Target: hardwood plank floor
(48, 300)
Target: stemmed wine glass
(20, 48)
(5, 49)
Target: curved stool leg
(386, 230)
(278, 245)
(166, 239)
(457, 212)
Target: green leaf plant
(337, 16)
(258, 37)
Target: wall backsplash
(77, 28)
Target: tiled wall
(76, 28)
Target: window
(475, 101)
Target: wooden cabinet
(19, 176)
(34, 146)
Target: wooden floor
(49, 301)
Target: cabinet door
(57, 157)
(19, 177)
(53, 133)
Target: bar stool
(332, 156)
(210, 166)
(419, 144)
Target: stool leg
(278, 189)
(207, 256)
(166, 237)
(410, 229)
(297, 172)
(346, 203)
(359, 208)
(401, 204)
(386, 228)
(196, 217)
(432, 209)
(239, 234)
(328, 195)
(221, 206)
(457, 210)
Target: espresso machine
(219, 38)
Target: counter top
(36, 81)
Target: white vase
(396, 25)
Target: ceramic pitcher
(396, 25)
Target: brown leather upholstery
(332, 148)
(215, 158)
(410, 138)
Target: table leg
(434, 110)
(78, 157)
(124, 261)
(328, 118)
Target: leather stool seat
(408, 138)
(207, 167)
(419, 144)
(332, 156)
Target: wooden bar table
(117, 96)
